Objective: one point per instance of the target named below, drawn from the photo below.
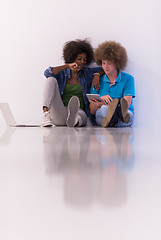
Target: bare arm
(128, 99)
(72, 66)
(94, 105)
(96, 78)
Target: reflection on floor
(80, 183)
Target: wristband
(97, 74)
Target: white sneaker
(73, 108)
(47, 120)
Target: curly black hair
(72, 48)
(112, 51)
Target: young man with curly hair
(116, 88)
(65, 102)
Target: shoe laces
(47, 115)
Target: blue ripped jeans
(102, 112)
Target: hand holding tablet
(94, 96)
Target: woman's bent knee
(52, 80)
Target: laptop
(9, 118)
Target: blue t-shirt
(123, 86)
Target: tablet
(91, 96)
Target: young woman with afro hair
(65, 102)
(115, 87)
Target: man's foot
(108, 121)
(73, 108)
(123, 112)
(47, 120)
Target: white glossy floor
(80, 184)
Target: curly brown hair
(72, 48)
(112, 51)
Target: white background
(33, 33)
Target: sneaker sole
(49, 124)
(124, 109)
(73, 108)
(111, 110)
